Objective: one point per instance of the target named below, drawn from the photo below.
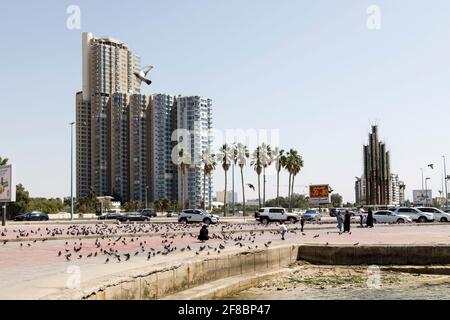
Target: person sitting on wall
(203, 236)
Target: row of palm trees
(261, 158)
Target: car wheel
(400, 221)
(207, 221)
(422, 219)
(292, 220)
(443, 219)
(265, 221)
(374, 220)
(183, 221)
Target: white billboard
(422, 197)
(7, 186)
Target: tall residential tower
(111, 116)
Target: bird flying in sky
(141, 75)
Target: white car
(197, 216)
(266, 215)
(439, 215)
(414, 214)
(386, 216)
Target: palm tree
(290, 163)
(266, 159)
(209, 160)
(280, 162)
(294, 164)
(184, 162)
(3, 161)
(257, 165)
(240, 156)
(225, 156)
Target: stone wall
(194, 273)
(373, 254)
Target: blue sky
(311, 69)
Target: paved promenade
(35, 269)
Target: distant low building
(220, 197)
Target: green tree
(209, 165)
(184, 162)
(266, 158)
(87, 204)
(133, 205)
(3, 161)
(280, 162)
(294, 163)
(336, 200)
(258, 166)
(240, 156)
(22, 202)
(225, 157)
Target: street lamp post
(421, 169)
(426, 191)
(445, 181)
(232, 183)
(71, 170)
(146, 196)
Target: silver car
(197, 216)
(439, 215)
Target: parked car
(32, 216)
(132, 216)
(109, 216)
(172, 214)
(439, 215)
(149, 212)
(386, 216)
(197, 216)
(312, 215)
(275, 214)
(414, 214)
(334, 211)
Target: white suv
(439, 215)
(266, 215)
(197, 216)
(415, 214)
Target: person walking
(339, 221)
(361, 217)
(369, 222)
(203, 236)
(347, 222)
(283, 230)
(302, 223)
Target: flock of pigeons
(122, 242)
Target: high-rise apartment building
(111, 117)
(195, 118)
(164, 173)
(125, 139)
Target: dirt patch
(347, 277)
